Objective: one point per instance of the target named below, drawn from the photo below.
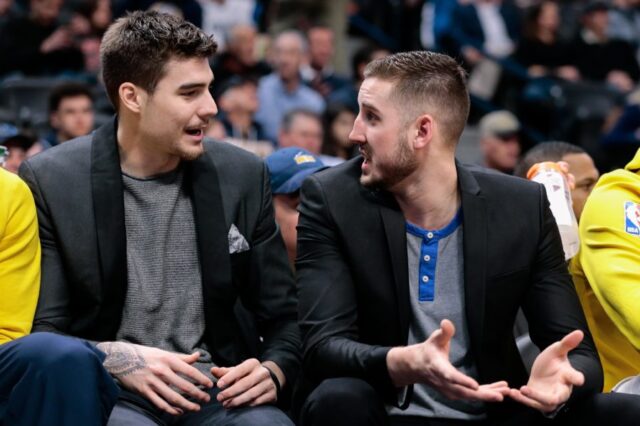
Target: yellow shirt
(19, 258)
(606, 271)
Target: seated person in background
(606, 270)
(240, 59)
(238, 102)
(337, 122)
(45, 379)
(288, 167)
(318, 72)
(580, 163)
(18, 147)
(490, 27)
(600, 58)
(283, 90)
(411, 268)
(71, 113)
(500, 140)
(303, 129)
(37, 44)
(151, 235)
(540, 49)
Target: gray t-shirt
(164, 304)
(437, 292)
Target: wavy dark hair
(137, 47)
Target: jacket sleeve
(328, 307)
(52, 313)
(552, 307)
(271, 296)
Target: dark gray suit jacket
(354, 290)
(79, 197)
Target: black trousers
(353, 402)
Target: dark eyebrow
(190, 86)
(370, 107)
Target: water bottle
(550, 175)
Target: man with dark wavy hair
(150, 236)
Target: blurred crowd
(287, 72)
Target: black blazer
(353, 282)
(79, 197)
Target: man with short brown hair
(411, 269)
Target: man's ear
(131, 97)
(424, 131)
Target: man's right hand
(428, 363)
(153, 373)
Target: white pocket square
(237, 242)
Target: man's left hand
(552, 377)
(246, 384)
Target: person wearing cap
(288, 168)
(499, 140)
(606, 270)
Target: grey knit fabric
(164, 303)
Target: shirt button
(425, 279)
(427, 258)
(429, 234)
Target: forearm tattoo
(122, 358)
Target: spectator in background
(600, 58)
(288, 167)
(189, 10)
(8, 10)
(71, 113)
(500, 140)
(540, 49)
(240, 57)
(483, 27)
(283, 90)
(89, 20)
(18, 147)
(301, 128)
(624, 21)
(606, 270)
(580, 163)
(318, 72)
(219, 17)
(238, 103)
(337, 124)
(38, 44)
(45, 379)
(348, 95)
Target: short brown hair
(427, 82)
(137, 46)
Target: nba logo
(632, 218)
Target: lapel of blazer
(394, 228)
(108, 208)
(212, 230)
(474, 221)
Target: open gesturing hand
(428, 362)
(552, 377)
